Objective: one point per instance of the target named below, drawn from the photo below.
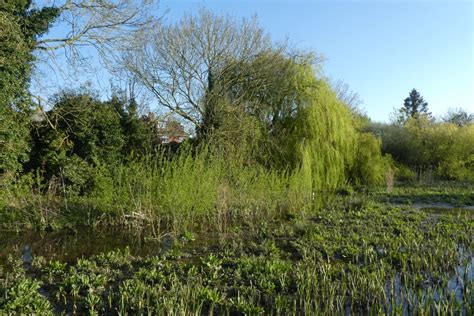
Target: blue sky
(382, 49)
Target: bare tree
(181, 63)
(97, 24)
(346, 95)
(458, 116)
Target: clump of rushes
(361, 256)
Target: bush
(404, 173)
(370, 167)
(446, 149)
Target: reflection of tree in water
(68, 246)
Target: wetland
(354, 256)
(222, 171)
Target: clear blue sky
(382, 49)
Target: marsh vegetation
(357, 256)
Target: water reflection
(67, 246)
(464, 211)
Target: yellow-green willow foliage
(322, 140)
(422, 145)
(327, 138)
(326, 143)
(370, 167)
(275, 112)
(446, 147)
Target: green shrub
(404, 173)
(370, 167)
(445, 149)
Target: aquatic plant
(359, 256)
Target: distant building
(173, 138)
(171, 131)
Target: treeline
(269, 134)
(426, 150)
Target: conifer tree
(413, 107)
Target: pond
(462, 211)
(69, 245)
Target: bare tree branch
(346, 95)
(178, 63)
(97, 24)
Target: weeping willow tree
(328, 144)
(276, 112)
(250, 108)
(323, 140)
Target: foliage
(19, 29)
(277, 107)
(14, 144)
(370, 166)
(325, 135)
(250, 104)
(139, 132)
(414, 106)
(459, 117)
(19, 293)
(80, 132)
(246, 113)
(189, 189)
(267, 151)
(444, 148)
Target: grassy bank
(357, 255)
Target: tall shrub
(19, 29)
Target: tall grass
(200, 191)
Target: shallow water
(399, 295)
(67, 246)
(469, 211)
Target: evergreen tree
(413, 107)
(81, 134)
(20, 28)
(138, 132)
